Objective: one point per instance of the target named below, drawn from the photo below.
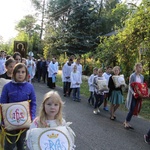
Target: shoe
(105, 108)
(125, 125)
(95, 111)
(146, 139)
(98, 110)
(112, 118)
(64, 95)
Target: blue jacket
(18, 92)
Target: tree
(29, 32)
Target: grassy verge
(145, 111)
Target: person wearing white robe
(52, 72)
(75, 83)
(66, 72)
(31, 66)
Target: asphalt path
(98, 132)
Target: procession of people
(104, 86)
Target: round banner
(16, 114)
(53, 140)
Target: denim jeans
(20, 144)
(132, 107)
(76, 93)
(99, 100)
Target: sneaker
(146, 139)
(105, 108)
(95, 111)
(98, 110)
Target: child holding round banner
(17, 113)
(49, 130)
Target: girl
(131, 102)
(115, 94)
(99, 95)
(17, 57)
(75, 83)
(9, 65)
(18, 90)
(50, 115)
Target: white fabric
(35, 136)
(75, 78)
(2, 65)
(107, 76)
(90, 82)
(138, 79)
(52, 69)
(16, 115)
(66, 72)
(95, 84)
(79, 68)
(102, 85)
(118, 80)
(31, 66)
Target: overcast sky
(11, 12)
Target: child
(147, 137)
(50, 115)
(99, 95)
(17, 57)
(18, 90)
(9, 65)
(107, 75)
(75, 83)
(115, 94)
(131, 101)
(91, 87)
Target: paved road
(98, 132)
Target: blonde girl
(115, 94)
(50, 115)
(131, 102)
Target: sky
(11, 12)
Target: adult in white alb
(52, 72)
(66, 72)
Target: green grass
(84, 90)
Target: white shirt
(75, 78)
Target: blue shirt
(18, 92)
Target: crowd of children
(50, 115)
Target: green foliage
(123, 49)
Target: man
(66, 73)
(52, 72)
